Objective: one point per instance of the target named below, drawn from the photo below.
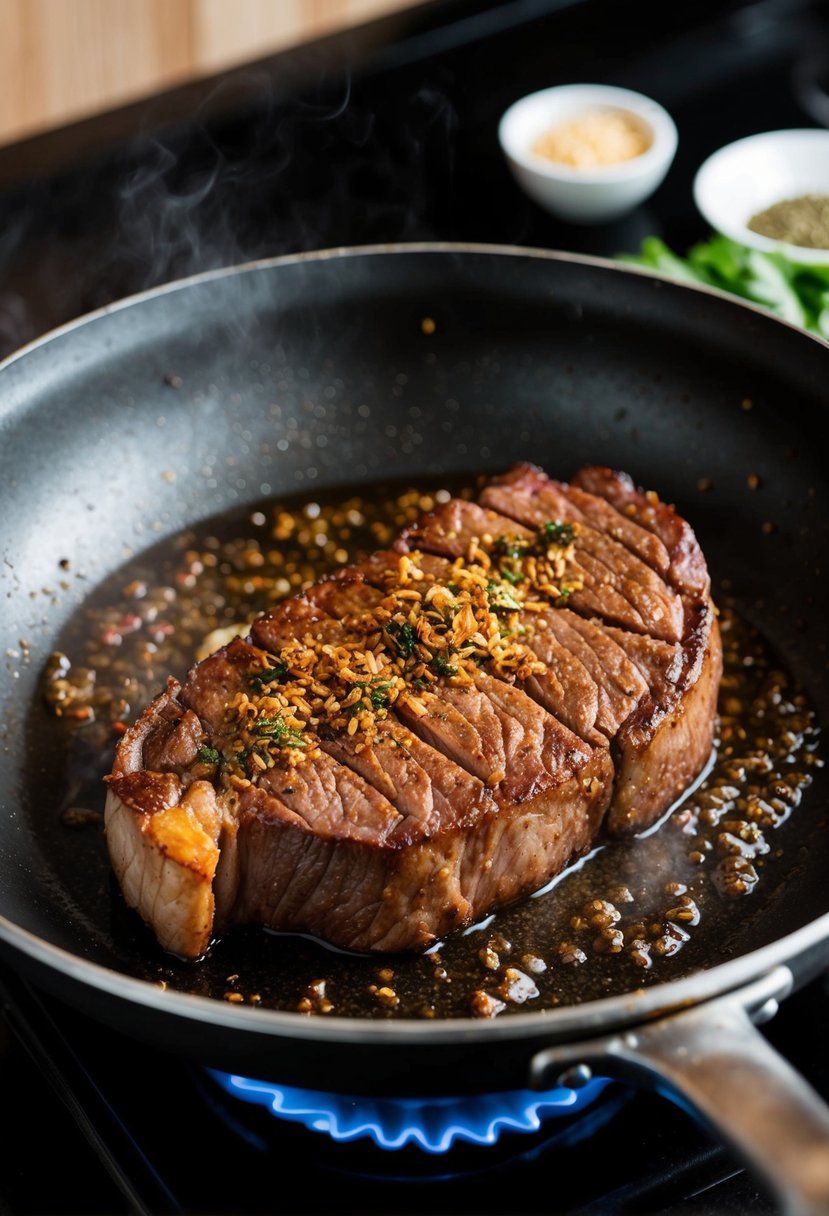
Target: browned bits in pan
(609, 941)
(600, 913)
(686, 912)
(489, 959)
(631, 916)
(485, 1005)
(385, 996)
(570, 954)
(316, 999)
(516, 987)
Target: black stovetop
(129, 1129)
(384, 134)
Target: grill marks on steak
(392, 847)
(491, 729)
(618, 586)
(566, 688)
(687, 568)
(428, 788)
(576, 505)
(469, 795)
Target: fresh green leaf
(656, 255)
(798, 292)
(770, 284)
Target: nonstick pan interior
(315, 375)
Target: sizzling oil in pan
(634, 913)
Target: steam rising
(324, 169)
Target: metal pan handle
(712, 1057)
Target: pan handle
(711, 1057)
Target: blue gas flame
(430, 1124)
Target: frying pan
(535, 355)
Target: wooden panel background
(62, 60)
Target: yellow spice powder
(595, 138)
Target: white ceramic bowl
(745, 177)
(585, 195)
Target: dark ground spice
(800, 221)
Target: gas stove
(132, 1130)
(383, 134)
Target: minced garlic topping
(594, 138)
(421, 630)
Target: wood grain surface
(62, 60)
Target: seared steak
(432, 733)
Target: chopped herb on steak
(461, 716)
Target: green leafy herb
(276, 730)
(796, 291)
(270, 675)
(403, 636)
(442, 665)
(378, 696)
(208, 755)
(510, 546)
(510, 551)
(501, 598)
(558, 534)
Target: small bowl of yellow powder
(771, 191)
(588, 153)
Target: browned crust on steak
(361, 874)
(468, 797)
(410, 891)
(662, 731)
(668, 740)
(687, 567)
(163, 837)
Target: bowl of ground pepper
(771, 192)
(588, 153)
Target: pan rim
(334, 252)
(583, 1020)
(568, 1021)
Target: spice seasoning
(423, 627)
(653, 908)
(595, 138)
(800, 221)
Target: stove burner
(433, 1125)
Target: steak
(431, 733)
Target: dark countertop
(387, 133)
(382, 134)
